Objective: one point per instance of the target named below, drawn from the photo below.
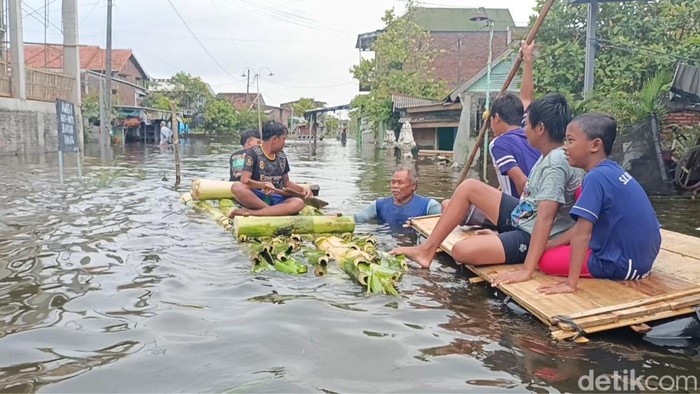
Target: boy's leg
(509, 247)
(471, 191)
(290, 206)
(246, 197)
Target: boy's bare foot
(239, 212)
(420, 254)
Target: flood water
(110, 284)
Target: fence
(48, 86)
(637, 149)
(4, 80)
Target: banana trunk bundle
(271, 226)
(377, 271)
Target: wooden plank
(682, 244)
(658, 283)
(641, 328)
(634, 304)
(671, 290)
(678, 265)
(564, 334)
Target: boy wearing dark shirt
(268, 163)
(249, 139)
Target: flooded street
(110, 284)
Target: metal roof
(402, 102)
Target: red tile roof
(241, 101)
(91, 57)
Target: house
(128, 76)
(249, 102)
(434, 123)
(462, 45)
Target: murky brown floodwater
(110, 284)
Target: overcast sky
(309, 45)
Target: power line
(200, 42)
(223, 24)
(647, 50)
(312, 87)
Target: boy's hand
(557, 288)
(527, 51)
(307, 193)
(520, 275)
(269, 188)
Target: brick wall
(683, 118)
(462, 54)
(27, 126)
(125, 94)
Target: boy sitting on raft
(616, 235)
(525, 225)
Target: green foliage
(90, 107)
(639, 43)
(220, 117)
(402, 64)
(302, 105)
(246, 120)
(332, 125)
(156, 100)
(190, 93)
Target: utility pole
(19, 79)
(257, 79)
(591, 26)
(3, 35)
(247, 85)
(71, 62)
(106, 120)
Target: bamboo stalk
(176, 144)
(504, 88)
(269, 226)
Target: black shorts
(515, 241)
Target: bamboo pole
(205, 189)
(514, 70)
(176, 143)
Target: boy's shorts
(272, 199)
(515, 241)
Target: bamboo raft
(672, 289)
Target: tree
(156, 100)
(90, 108)
(246, 120)
(637, 41)
(332, 125)
(220, 117)
(402, 64)
(302, 105)
(190, 93)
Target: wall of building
(123, 94)
(27, 126)
(462, 54)
(425, 138)
(131, 73)
(683, 118)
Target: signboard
(67, 127)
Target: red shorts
(556, 261)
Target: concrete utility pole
(71, 59)
(590, 47)
(3, 32)
(247, 85)
(19, 79)
(106, 121)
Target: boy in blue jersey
(524, 226)
(403, 203)
(614, 216)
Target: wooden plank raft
(672, 289)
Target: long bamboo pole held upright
(514, 70)
(176, 143)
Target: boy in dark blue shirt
(614, 216)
